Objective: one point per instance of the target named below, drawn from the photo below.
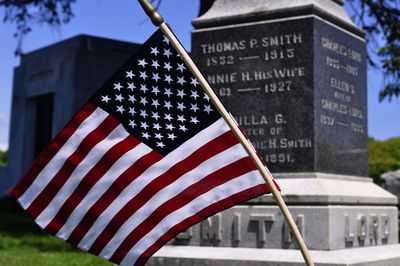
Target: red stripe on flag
(47, 154)
(94, 137)
(209, 182)
(205, 152)
(206, 212)
(90, 179)
(111, 194)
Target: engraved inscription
(41, 74)
(311, 82)
(185, 235)
(341, 49)
(237, 227)
(374, 226)
(262, 221)
(362, 228)
(339, 108)
(287, 234)
(385, 228)
(274, 137)
(348, 236)
(242, 229)
(258, 64)
(264, 48)
(373, 229)
(211, 228)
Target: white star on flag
(168, 79)
(129, 74)
(131, 86)
(132, 98)
(181, 80)
(181, 67)
(132, 123)
(155, 90)
(194, 82)
(143, 88)
(167, 66)
(142, 63)
(154, 63)
(154, 51)
(105, 98)
(143, 75)
(167, 53)
(181, 93)
(120, 109)
(119, 97)
(117, 86)
(155, 77)
(168, 92)
(155, 115)
(143, 113)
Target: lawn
(22, 242)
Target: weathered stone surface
(301, 188)
(297, 88)
(198, 256)
(227, 12)
(391, 182)
(264, 227)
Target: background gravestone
(293, 74)
(391, 182)
(50, 85)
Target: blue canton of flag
(157, 98)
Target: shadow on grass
(14, 221)
(17, 229)
(22, 242)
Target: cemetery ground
(22, 242)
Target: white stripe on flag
(213, 131)
(79, 172)
(219, 193)
(207, 167)
(45, 176)
(126, 161)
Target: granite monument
(293, 75)
(49, 86)
(391, 182)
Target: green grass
(22, 242)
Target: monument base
(344, 220)
(388, 255)
(332, 212)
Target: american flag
(145, 158)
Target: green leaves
(3, 158)
(26, 13)
(381, 21)
(383, 156)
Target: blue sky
(125, 20)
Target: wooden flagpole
(158, 21)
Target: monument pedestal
(344, 220)
(199, 256)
